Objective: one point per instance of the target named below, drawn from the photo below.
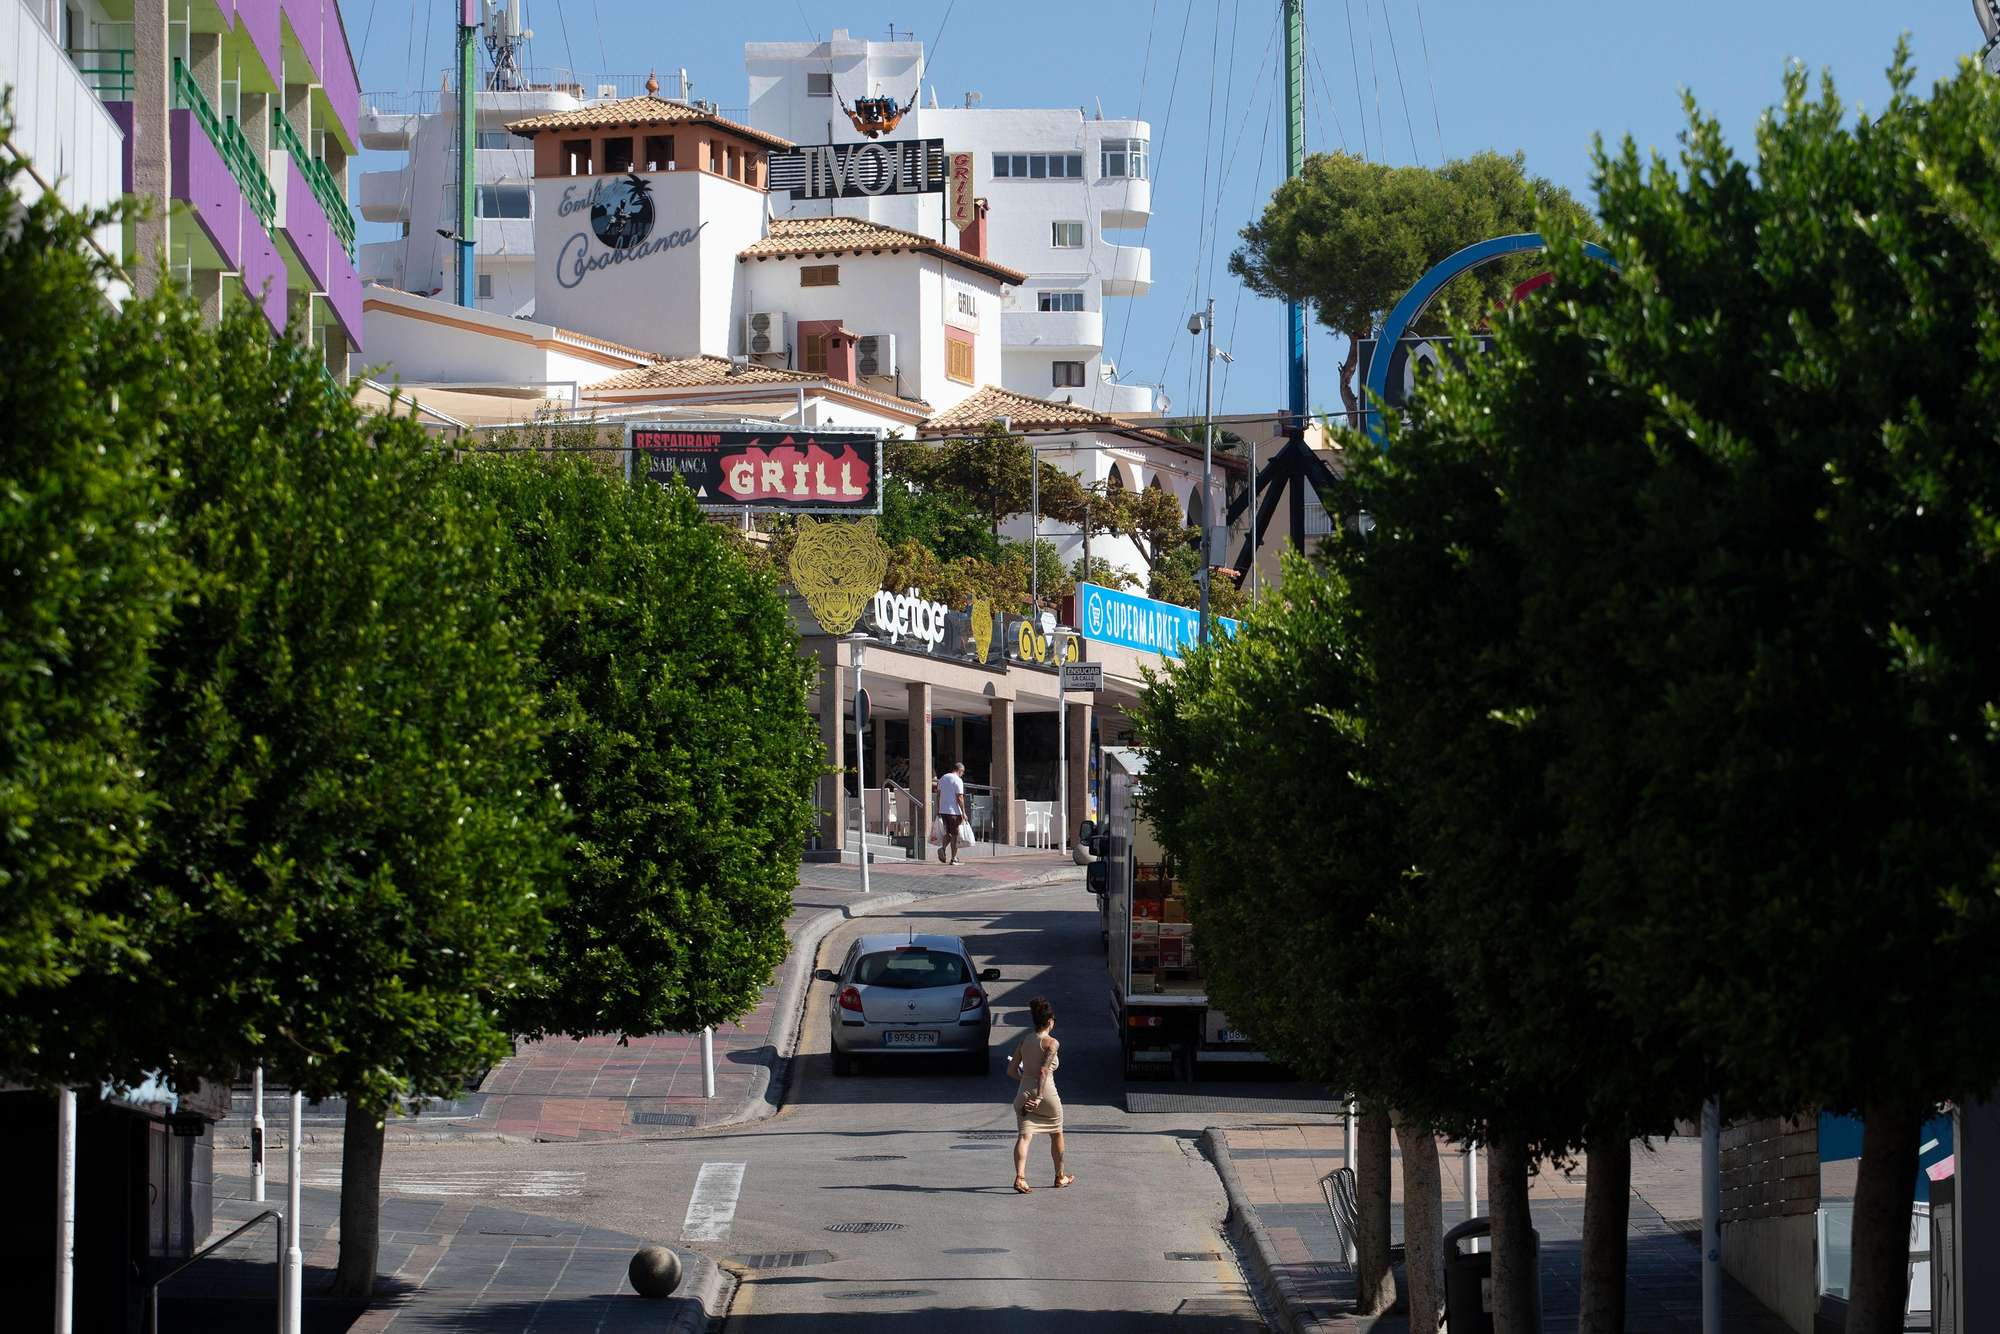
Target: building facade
(235, 117)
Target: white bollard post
(1471, 1162)
(1711, 1217)
(65, 1211)
(708, 1060)
(1347, 1160)
(257, 1134)
(293, 1318)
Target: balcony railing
(228, 139)
(108, 71)
(319, 178)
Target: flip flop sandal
(1021, 1185)
(1062, 1181)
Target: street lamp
(857, 647)
(1203, 321)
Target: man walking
(951, 809)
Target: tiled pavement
(1280, 1167)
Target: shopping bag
(937, 829)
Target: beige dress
(1048, 1112)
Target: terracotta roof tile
(710, 372)
(1028, 413)
(800, 237)
(635, 113)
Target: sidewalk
(593, 1088)
(1280, 1167)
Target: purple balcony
(305, 229)
(263, 269)
(258, 20)
(202, 179)
(122, 113)
(303, 17)
(343, 85)
(343, 294)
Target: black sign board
(1414, 355)
(848, 171)
(729, 467)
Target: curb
(705, 1298)
(1294, 1316)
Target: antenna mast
(1295, 162)
(504, 37)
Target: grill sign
(847, 171)
(810, 472)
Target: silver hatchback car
(909, 995)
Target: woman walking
(1037, 1106)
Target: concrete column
(1078, 761)
(923, 769)
(336, 353)
(832, 720)
(152, 95)
(298, 110)
(256, 127)
(205, 63)
(207, 292)
(1003, 770)
(336, 164)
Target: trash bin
(1468, 1278)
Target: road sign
(1082, 677)
(862, 712)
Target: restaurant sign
(727, 467)
(1140, 623)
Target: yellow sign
(1034, 646)
(982, 626)
(837, 568)
(958, 184)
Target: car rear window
(911, 969)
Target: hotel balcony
(1123, 202)
(1127, 269)
(384, 196)
(1052, 330)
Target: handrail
(111, 82)
(228, 139)
(153, 1288)
(318, 179)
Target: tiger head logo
(982, 627)
(837, 568)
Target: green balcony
(338, 214)
(108, 71)
(228, 139)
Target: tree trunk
(1515, 1263)
(360, 1200)
(1423, 1224)
(1607, 1207)
(1375, 1277)
(1884, 1190)
(1348, 397)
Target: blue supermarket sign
(1141, 623)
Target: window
(1066, 235)
(485, 287)
(819, 85)
(1059, 301)
(819, 275)
(814, 361)
(715, 156)
(1069, 375)
(957, 358)
(618, 154)
(575, 158)
(659, 152)
(493, 139)
(503, 201)
(1039, 166)
(911, 970)
(1124, 157)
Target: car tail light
(974, 998)
(1143, 1020)
(850, 999)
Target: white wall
(60, 126)
(421, 340)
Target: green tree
(87, 570)
(1350, 237)
(673, 700)
(936, 519)
(1751, 483)
(993, 473)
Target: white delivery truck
(1159, 1001)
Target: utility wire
(569, 52)
(1173, 89)
(1401, 91)
(1435, 118)
(367, 32)
(1354, 59)
(1375, 76)
(1312, 49)
(598, 16)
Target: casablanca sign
(621, 217)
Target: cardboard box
(1170, 953)
(1147, 910)
(1174, 909)
(1180, 930)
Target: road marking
(713, 1205)
(502, 1185)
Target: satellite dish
(1989, 21)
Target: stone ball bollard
(655, 1272)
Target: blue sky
(1540, 79)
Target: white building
(1067, 194)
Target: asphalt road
(883, 1201)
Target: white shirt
(951, 794)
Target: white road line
(505, 1185)
(713, 1205)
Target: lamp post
(858, 648)
(1203, 321)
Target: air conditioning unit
(764, 333)
(875, 354)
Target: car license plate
(912, 1037)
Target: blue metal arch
(1419, 296)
